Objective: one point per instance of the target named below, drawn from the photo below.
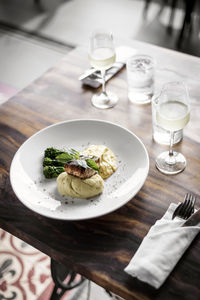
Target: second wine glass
(102, 56)
(173, 114)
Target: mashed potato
(108, 164)
(79, 188)
(76, 187)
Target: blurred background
(35, 34)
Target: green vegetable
(55, 159)
(52, 162)
(67, 156)
(52, 152)
(73, 152)
(91, 163)
(64, 157)
(52, 172)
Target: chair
(171, 3)
(188, 6)
(187, 22)
(64, 280)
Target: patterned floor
(24, 271)
(25, 274)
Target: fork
(186, 208)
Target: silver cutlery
(93, 74)
(193, 220)
(185, 209)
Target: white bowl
(41, 195)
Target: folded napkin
(95, 80)
(161, 249)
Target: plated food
(107, 159)
(79, 174)
(75, 187)
(41, 195)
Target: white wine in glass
(173, 114)
(102, 56)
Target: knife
(193, 220)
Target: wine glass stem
(103, 74)
(171, 153)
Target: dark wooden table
(101, 248)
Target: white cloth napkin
(161, 249)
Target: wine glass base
(170, 165)
(104, 100)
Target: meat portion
(79, 168)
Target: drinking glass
(173, 114)
(102, 56)
(140, 77)
(159, 134)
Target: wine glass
(173, 114)
(102, 56)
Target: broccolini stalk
(52, 152)
(52, 162)
(52, 172)
(55, 159)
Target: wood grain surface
(101, 248)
